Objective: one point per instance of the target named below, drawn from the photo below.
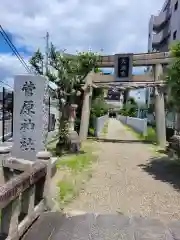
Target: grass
(91, 131)
(76, 163)
(66, 190)
(76, 170)
(151, 139)
(151, 134)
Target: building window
(176, 6)
(174, 35)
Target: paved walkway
(121, 183)
(129, 181)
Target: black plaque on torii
(123, 67)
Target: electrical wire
(4, 83)
(15, 51)
(13, 48)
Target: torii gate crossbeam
(142, 59)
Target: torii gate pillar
(160, 108)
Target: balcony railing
(160, 20)
(159, 38)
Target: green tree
(132, 101)
(98, 108)
(173, 80)
(130, 108)
(68, 73)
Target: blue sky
(112, 25)
(4, 48)
(7, 54)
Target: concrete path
(55, 226)
(129, 181)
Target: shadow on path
(120, 140)
(164, 170)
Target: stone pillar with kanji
(30, 123)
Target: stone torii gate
(157, 61)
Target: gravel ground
(120, 183)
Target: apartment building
(164, 28)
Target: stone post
(4, 173)
(45, 157)
(86, 107)
(72, 116)
(85, 114)
(30, 121)
(160, 108)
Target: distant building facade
(115, 97)
(164, 28)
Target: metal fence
(52, 115)
(6, 114)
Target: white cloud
(9, 66)
(111, 25)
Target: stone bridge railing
(24, 196)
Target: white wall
(137, 124)
(170, 119)
(99, 124)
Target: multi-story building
(164, 28)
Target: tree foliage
(130, 108)
(99, 107)
(173, 76)
(68, 72)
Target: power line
(15, 51)
(2, 81)
(13, 48)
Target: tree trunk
(178, 122)
(79, 102)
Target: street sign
(123, 67)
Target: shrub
(99, 107)
(91, 131)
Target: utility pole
(47, 53)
